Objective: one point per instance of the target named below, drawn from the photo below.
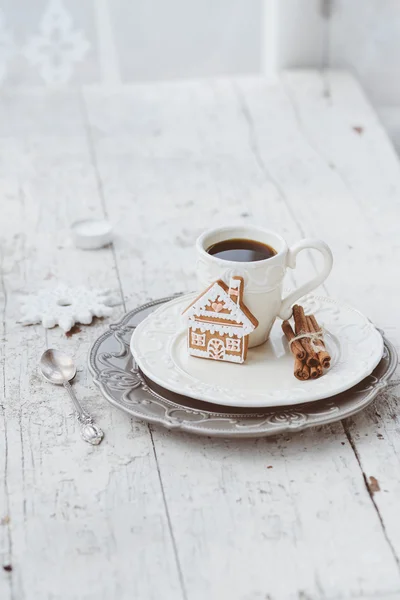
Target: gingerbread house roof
(235, 311)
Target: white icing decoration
(198, 339)
(217, 293)
(216, 315)
(235, 290)
(230, 330)
(233, 344)
(227, 357)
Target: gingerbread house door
(216, 349)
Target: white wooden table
(157, 515)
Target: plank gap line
(3, 409)
(171, 531)
(348, 434)
(370, 494)
(253, 142)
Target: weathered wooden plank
(367, 163)
(174, 159)
(364, 166)
(5, 538)
(85, 522)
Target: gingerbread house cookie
(219, 323)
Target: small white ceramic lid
(90, 234)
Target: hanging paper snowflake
(58, 46)
(64, 306)
(7, 47)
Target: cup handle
(311, 244)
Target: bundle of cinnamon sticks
(311, 356)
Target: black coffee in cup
(241, 250)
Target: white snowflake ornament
(64, 306)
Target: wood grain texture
(79, 516)
(151, 514)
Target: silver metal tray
(124, 386)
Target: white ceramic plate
(266, 378)
(123, 385)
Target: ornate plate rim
(273, 421)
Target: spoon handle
(90, 432)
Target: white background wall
(98, 41)
(360, 35)
(365, 37)
(58, 42)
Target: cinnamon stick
(301, 371)
(296, 348)
(301, 327)
(306, 372)
(323, 356)
(315, 372)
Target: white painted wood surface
(151, 514)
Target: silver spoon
(58, 368)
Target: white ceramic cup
(262, 279)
